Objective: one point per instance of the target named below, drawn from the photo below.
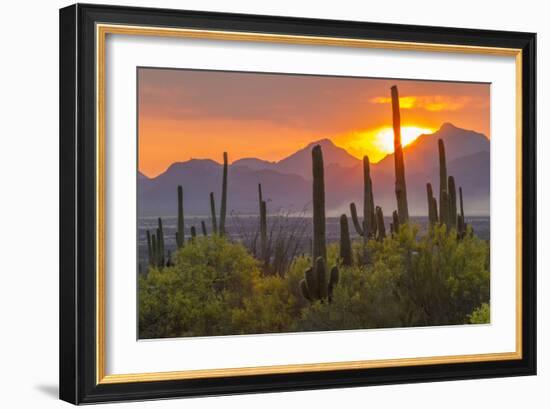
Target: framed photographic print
(257, 203)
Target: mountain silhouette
(287, 183)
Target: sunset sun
(383, 137)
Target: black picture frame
(78, 200)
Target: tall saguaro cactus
(368, 227)
(395, 220)
(380, 223)
(315, 285)
(149, 249)
(263, 224)
(213, 213)
(432, 205)
(461, 223)
(319, 224)
(345, 241)
(452, 202)
(160, 243)
(400, 184)
(223, 207)
(443, 192)
(181, 235)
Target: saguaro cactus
(380, 227)
(160, 243)
(181, 235)
(263, 225)
(154, 250)
(395, 219)
(432, 206)
(461, 224)
(369, 218)
(149, 248)
(315, 286)
(452, 202)
(213, 213)
(319, 225)
(193, 233)
(223, 207)
(345, 241)
(400, 184)
(443, 201)
(203, 227)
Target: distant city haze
(196, 114)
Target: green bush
(210, 278)
(434, 280)
(481, 315)
(216, 287)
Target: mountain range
(286, 183)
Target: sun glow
(383, 137)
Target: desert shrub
(210, 278)
(215, 287)
(271, 308)
(410, 281)
(481, 315)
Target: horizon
(232, 161)
(190, 114)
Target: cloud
(432, 103)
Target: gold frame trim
(101, 32)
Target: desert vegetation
(213, 285)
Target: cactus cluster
(315, 285)
(448, 211)
(155, 246)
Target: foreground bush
(216, 287)
(434, 280)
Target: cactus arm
(304, 290)
(333, 281)
(355, 220)
(203, 227)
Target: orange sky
(184, 114)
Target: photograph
(285, 203)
